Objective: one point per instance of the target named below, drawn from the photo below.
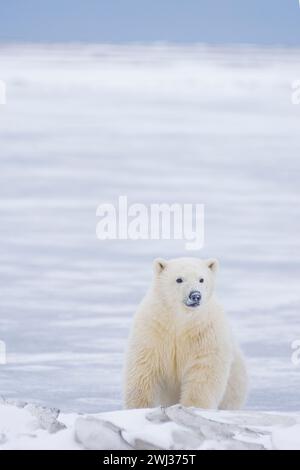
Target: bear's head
(185, 282)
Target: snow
(86, 124)
(21, 429)
(174, 428)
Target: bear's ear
(159, 265)
(213, 264)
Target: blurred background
(186, 102)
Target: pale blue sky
(212, 21)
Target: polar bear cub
(181, 349)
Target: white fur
(181, 354)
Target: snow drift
(25, 426)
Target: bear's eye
(201, 280)
(179, 280)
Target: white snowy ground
(85, 124)
(176, 428)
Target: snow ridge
(28, 426)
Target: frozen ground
(84, 124)
(176, 428)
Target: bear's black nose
(195, 296)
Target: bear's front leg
(204, 384)
(141, 378)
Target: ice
(174, 428)
(26, 426)
(86, 124)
